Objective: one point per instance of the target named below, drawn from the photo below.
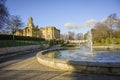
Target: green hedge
(10, 37)
(11, 43)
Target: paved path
(26, 67)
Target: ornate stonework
(31, 30)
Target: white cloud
(103, 20)
(72, 26)
(90, 23)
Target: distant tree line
(72, 36)
(107, 31)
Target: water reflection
(53, 54)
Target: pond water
(84, 54)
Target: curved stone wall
(78, 66)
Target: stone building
(31, 30)
(50, 33)
(19, 32)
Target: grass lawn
(11, 43)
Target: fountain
(90, 41)
(81, 60)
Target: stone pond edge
(78, 66)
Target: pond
(84, 54)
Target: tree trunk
(13, 37)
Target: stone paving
(26, 67)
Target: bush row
(10, 37)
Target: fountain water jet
(89, 38)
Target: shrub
(118, 41)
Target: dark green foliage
(67, 45)
(52, 42)
(10, 37)
(7, 41)
(55, 42)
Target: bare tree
(14, 23)
(79, 36)
(110, 23)
(63, 36)
(3, 13)
(71, 35)
(100, 32)
(118, 23)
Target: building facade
(31, 30)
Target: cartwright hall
(31, 30)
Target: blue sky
(59, 12)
